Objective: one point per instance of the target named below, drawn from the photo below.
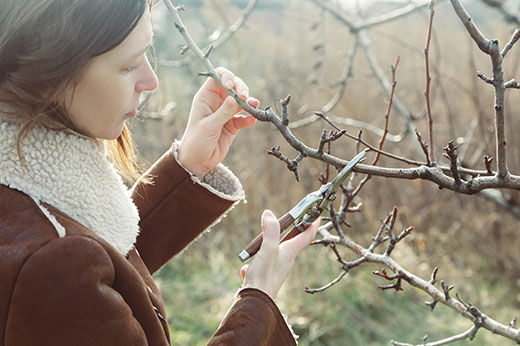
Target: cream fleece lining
(72, 174)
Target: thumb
(271, 235)
(298, 243)
(226, 110)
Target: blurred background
(294, 47)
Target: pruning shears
(303, 214)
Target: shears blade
(345, 172)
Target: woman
(77, 249)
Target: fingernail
(267, 213)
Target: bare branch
(285, 112)
(371, 147)
(512, 41)
(451, 154)
(424, 147)
(349, 122)
(330, 284)
(388, 109)
(469, 334)
(406, 115)
(379, 239)
(491, 48)
(485, 79)
(342, 82)
(292, 165)
(239, 23)
(359, 30)
(396, 14)
(440, 296)
(498, 198)
(384, 18)
(512, 84)
(482, 42)
(428, 81)
(435, 174)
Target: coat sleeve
(254, 320)
(176, 207)
(64, 296)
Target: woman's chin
(111, 135)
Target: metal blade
(345, 172)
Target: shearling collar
(72, 174)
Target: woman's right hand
(270, 267)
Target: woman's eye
(132, 68)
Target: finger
(243, 271)
(243, 122)
(295, 245)
(271, 234)
(226, 111)
(227, 77)
(241, 88)
(253, 102)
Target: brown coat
(79, 290)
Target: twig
(324, 178)
(379, 239)
(345, 76)
(510, 44)
(347, 266)
(470, 333)
(451, 154)
(424, 147)
(292, 165)
(285, 112)
(484, 78)
(512, 84)
(428, 81)
(404, 113)
(371, 147)
(348, 122)
(388, 109)
(239, 23)
(487, 162)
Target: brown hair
(45, 46)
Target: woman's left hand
(214, 123)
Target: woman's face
(109, 91)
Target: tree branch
(469, 334)
(428, 81)
(491, 48)
(441, 296)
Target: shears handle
(253, 247)
(299, 228)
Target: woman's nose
(148, 80)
